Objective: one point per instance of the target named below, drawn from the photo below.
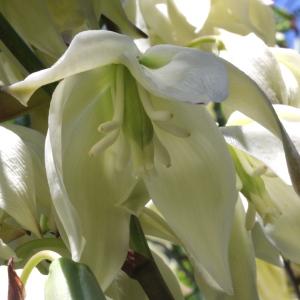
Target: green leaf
(68, 280)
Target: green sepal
(68, 280)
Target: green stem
(35, 260)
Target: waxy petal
(182, 74)
(84, 188)
(197, 194)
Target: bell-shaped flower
(262, 168)
(146, 132)
(24, 192)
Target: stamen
(173, 129)
(162, 153)
(160, 115)
(104, 143)
(118, 95)
(109, 126)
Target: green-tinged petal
(17, 184)
(197, 194)
(256, 105)
(32, 21)
(85, 189)
(264, 249)
(284, 231)
(171, 72)
(260, 143)
(5, 251)
(154, 225)
(242, 264)
(34, 288)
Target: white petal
(182, 74)
(17, 187)
(86, 190)
(197, 194)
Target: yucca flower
(118, 123)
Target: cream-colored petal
(85, 189)
(171, 72)
(197, 194)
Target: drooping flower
(144, 135)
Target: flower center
(131, 128)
